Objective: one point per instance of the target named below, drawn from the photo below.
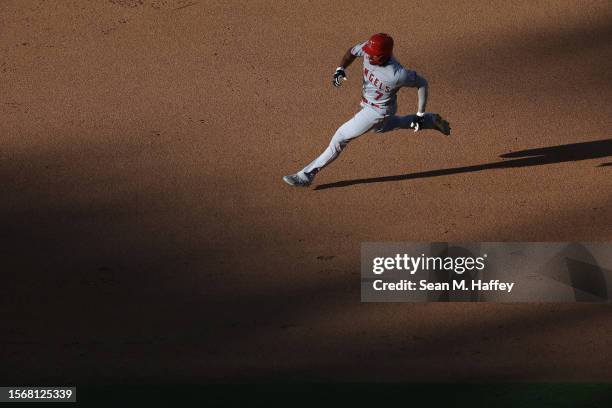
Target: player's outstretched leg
(361, 123)
(432, 121)
(304, 177)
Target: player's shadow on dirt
(524, 158)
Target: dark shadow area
(363, 394)
(605, 164)
(156, 306)
(524, 158)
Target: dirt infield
(147, 234)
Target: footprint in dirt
(127, 3)
(325, 257)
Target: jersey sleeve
(408, 78)
(357, 50)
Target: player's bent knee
(339, 139)
(338, 145)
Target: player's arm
(340, 74)
(347, 59)
(414, 80)
(421, 85)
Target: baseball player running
(383, 76)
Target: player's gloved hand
(417, 124)
(339, 76)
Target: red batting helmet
(379, 45)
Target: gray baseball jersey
(381, 83)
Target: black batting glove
(417, 124)
(339, 76)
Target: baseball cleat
(296, 181)
(441, 125)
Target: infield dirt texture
(147, 235)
